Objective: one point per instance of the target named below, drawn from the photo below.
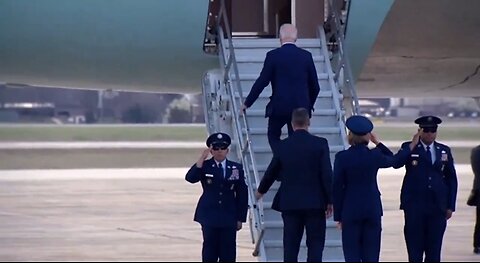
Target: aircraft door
(264, 18)
(248, 17)
(307, 15)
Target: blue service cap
(359, 125)
(428, 121)
(219, 139)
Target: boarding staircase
(241, 60)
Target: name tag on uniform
(209, 175)
(414, 155)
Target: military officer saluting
(428, 194)
(356, 195)
(223, 205)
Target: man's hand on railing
(239, 225)
(339, 225)
(258, 195)
(243, 109)
(329, 211)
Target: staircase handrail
(210, 39)
(335, 91)
(343, 62)
(245, 146)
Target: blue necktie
(221, 169)
(429, 155)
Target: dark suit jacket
(225, 199)
(356, 194)
(475, 163)
(302, 163)
(292, 72)
(422, 176)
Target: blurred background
(29, 104)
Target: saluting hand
(374, 138)
(203, 157)
(415, 139)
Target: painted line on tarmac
(140, 173)
(92, 174)
(164, 145)
(104, 145)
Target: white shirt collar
(224, 163)
(425, 146)
(293, 43)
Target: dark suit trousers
(476, 234)
(294, 223)
(361, 239)
(275, 125)
(219, 244)
(424, 234)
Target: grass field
(103, 133)
(115, 158)
(97, 158)
(187, 133)
(130, 158)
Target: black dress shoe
(476, 250)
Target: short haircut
(355, 139)
(288, 31)
(300, 117)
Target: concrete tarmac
(146, 215)
(166, 145)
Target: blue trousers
(274, 132)
(424, 234)
(219, 244)
(361, 239)
(294, 223)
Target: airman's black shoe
(476, 250)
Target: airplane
(400, 48)
(423, 48)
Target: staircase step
(333, 149)
(255, 64)
(254, 76)
(327, 94)
(332, 250)
(279, 224)
(315, 130)
(279, 243)
(261, 59)
(252, 43)
(324, 100)
(319, 112)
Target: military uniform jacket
(302, 164)
(224, 200)
(424, 180)
(292, 74)
(356, 194)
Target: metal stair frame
(223, 94)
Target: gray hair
(288, 32)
